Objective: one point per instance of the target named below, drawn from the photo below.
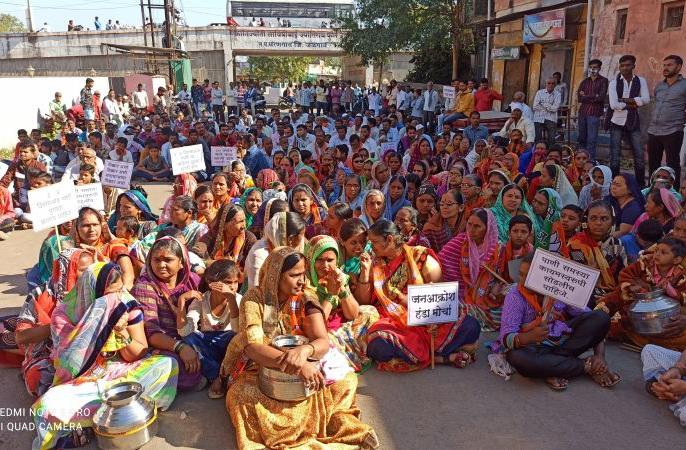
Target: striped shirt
(593, 99)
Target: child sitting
(127, 229)
(22, 210)
(517, 246)
(649, 232)
(152, 167)
(212, 320)
(86, 174)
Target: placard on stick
(53, 205)
(117, 174)
(429, 304)
(187, 159)
(222, 156)
(561, 279)
(90, 195)
(448, 92)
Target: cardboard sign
(428, 304)
(385, 146)
(117, 174)
(448, 92)
(222, 156)
(561, 279)
(90, 195)
(53, 205)
(187, 159)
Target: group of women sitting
(196, 298)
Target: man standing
(321, 92)
(591, 96)
(87, 100)
(546, 104)
(666, 130)
(97, 24)
(218, 103)
(140, 98)
(485, 96)
(196, 96)
(374, 100)
(627, 93)
(430, 103)
(561, 87)
(404, 100)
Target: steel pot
(651, 311)
(280, 385)
(127, 419)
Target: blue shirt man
(255, 160)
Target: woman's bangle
(313, 350)
(178, 345)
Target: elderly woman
(134, 203)
(346, 320)
(373, 207)
(394, 345)
(598, 188)
(98, 341)
(407, 222)
(329, 417)
(228, 238)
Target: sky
(58, 12)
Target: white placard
(187, 159)
(448, 92)
(117, 174)
(53, 205)
(385, 146)
(90, 195)
(561, 279)
(428, 304)
(222, 156)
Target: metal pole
(487, 58)
(152, 25)
(145, 31)
(589, 33)
(168, 34)
(29, 18)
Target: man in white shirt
(374, 100)
(430, 102)
(140, 98)
(521, 123)
(367, 141)
(546, 103)
(87, 156)
(404, 100)
(185, 100)
(303, 139)
(110, 108)
(627, 93)
(518, 102)
(340, 138)
(218, 102)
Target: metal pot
(651, 311)
(127, 419)
(280, 385)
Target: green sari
(502, 216)
(543, 226)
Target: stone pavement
(442, 409)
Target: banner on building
(505, 53)
(545, 26)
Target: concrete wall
(29, 98)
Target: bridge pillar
(228, 65)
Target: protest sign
(561, 279)
(117, 174)
(222, 156)
(90, 195)
(53, 205)
(385, 146)
(187, 159)
(429, 304)
(448, 92)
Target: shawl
(269, 176)
(191, 233)
(317, 207)
(672, 208)
(392, 207)
(317, 246)
(249, 218)
(375, 183)
(564, 188)
(275, 230)
(82, 326)
(538, 157)
(593, 255)
(544, 225)
(502, 216)
(215, 237)
(308, 172)
(186, 280)
(137, 198)
(653, 178)
(184, 184)
(364, 217)
(585, 197)
(480, 254)
(416, 155)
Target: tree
(381, 27)
(281, 68)
(10, 24)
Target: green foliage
(285, 68)
(10, 24)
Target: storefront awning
(515, 13)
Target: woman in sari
(228, 237)
(442, 227)
(452, 180)
(425, 202)
(395, 196)
(407, 221)
(265, 178)
(184, 184)
(134, 203)
(205, 200)
(7, 213)
(305, 202)
(327, 418)
(392, 343)
(352, 192)
(510, 162)
(283, 229)
(471, 193)
(548, 232)
(346, 320)
(220, 189)
(510, 202)
(662, 206)
(250, 201)
(598, 188)
(497, 180)
(596, 247)
(241, 179)
(373, 207)
(627, 202)
(168, 277)
(539, 156)
(573, 166)
(98, 341)
(471, 258)
(553, 176)
(33, 323)
(380, 176)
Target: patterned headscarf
(269, 176)
(364, 217)
(137, 198)
(544, 225)
(502, 216)
(64, 272)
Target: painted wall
(29, 98)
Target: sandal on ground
(606, 379)
(557, 383)
(214, 395)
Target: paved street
(444, 408)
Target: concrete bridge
(212, 50)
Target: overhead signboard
(545, 26)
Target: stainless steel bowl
(286, 341)
(280, 385)
(127, 419)
(651, 311)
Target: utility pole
(168, 15)
(29, 18)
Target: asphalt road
(445, 408)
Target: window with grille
(671, 16)
(620, 26)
